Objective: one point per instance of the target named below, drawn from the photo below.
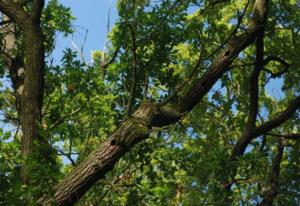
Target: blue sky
(91, 17)
(91, 22)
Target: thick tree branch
(201, 58)
(37, 6)
(254, 98)
(254, 87)
(148, 115)
(99, 162)
(254, 82)
(264, 128)
(31, 98)
(236, 44)
(271, 193)
(278, 120)
(14, 11)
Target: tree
(231, 146)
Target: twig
(294, 136)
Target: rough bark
(99, 162)
(32, 93)
(13, 60)
(135, 128)
(147, 116)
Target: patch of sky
(66, 156)
(273, 88)
(216, 88)
(4, 124)
(94, 20)
(264, 113)
(194, 8)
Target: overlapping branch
(264, 128)
(148, 115)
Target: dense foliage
(157, 49)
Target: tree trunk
(32, 94)
(136, 128)
(31, 98)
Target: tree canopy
(194, 102)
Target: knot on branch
(132, 131)
(165, 115)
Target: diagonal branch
(136, 128)
(279, 119)
(221, 65)
(293, 136)
(14, 11)
(264, 128)
(112, 59)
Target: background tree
(190, 77)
